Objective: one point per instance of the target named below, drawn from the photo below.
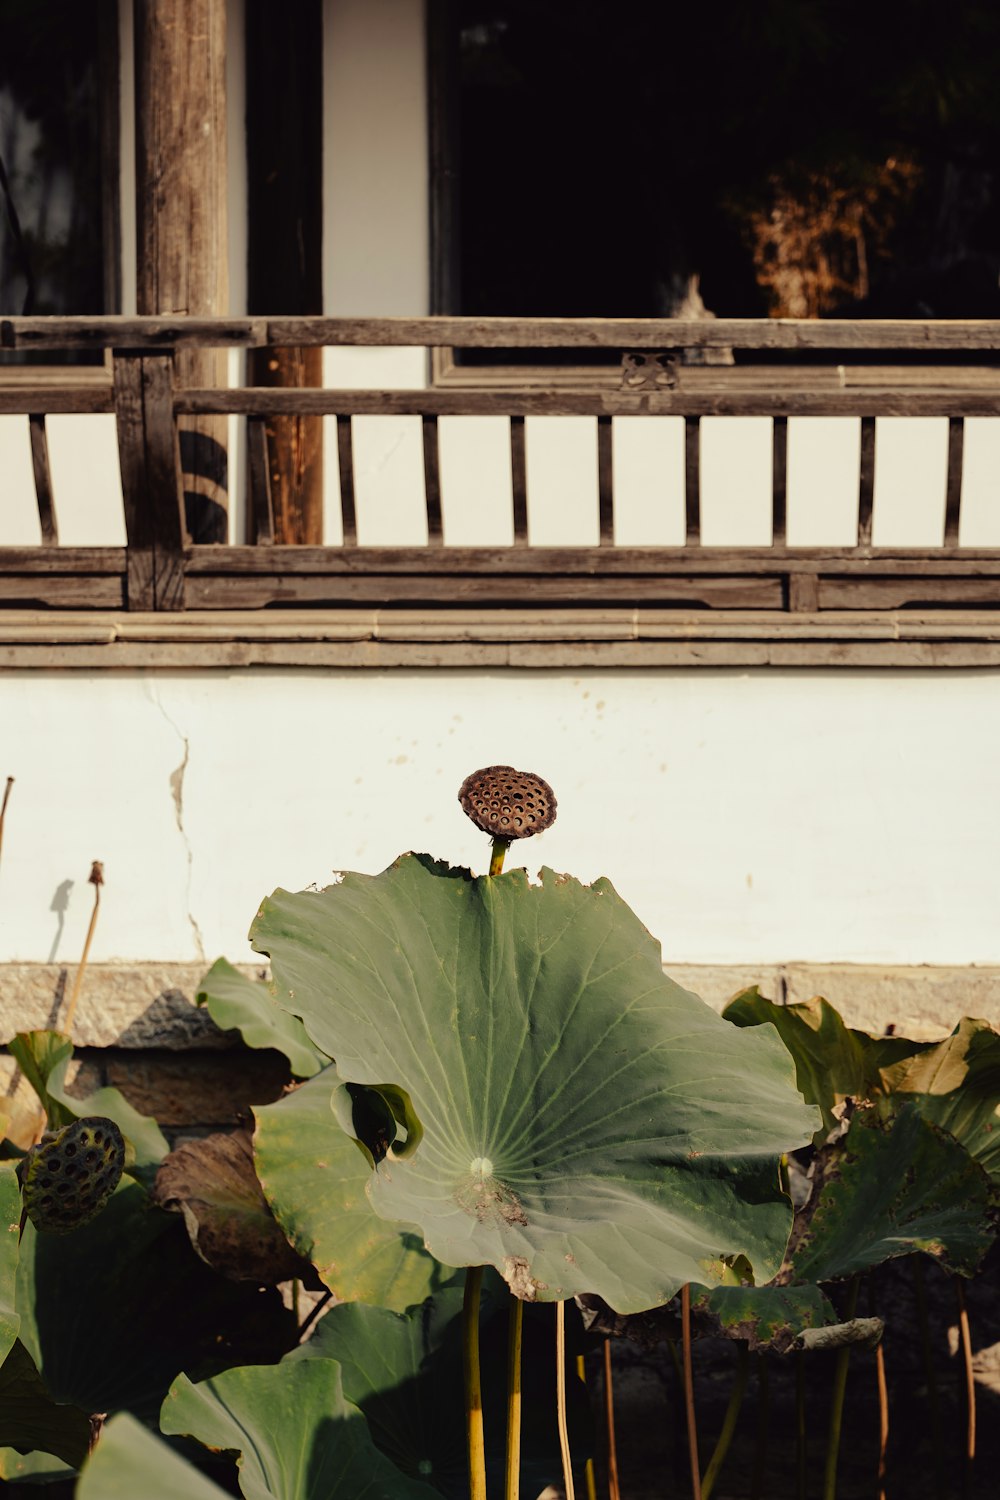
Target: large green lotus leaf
(766, 1317)
(314, 1177)
(405, 1374)
(889, 1188)
(114, 1310)
(10, 1215)
(297, 1436)
(956, 1083)
(829, 1056)
(30, 1420)
(249, 1007)
(129, 1463)
(44, 1057)
(587, 1125)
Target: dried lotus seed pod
(69, 1176)
(508, 804)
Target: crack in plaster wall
(176, 782)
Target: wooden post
(180, 66)
(284, 49)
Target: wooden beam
(182, 239)
(916, 335)
(443, 401)
(593, 561)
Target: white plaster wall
(747, 817)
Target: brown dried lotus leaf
(70, 1175)
(506, 803)
(212, 1182)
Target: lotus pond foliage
(510, 1138)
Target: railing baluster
(43, 480)
(692, 481)
(432, 480)
(866, 482)
(519, 481)
(261, 502)
(953, 500)
(779, 482)
(605, 481)
(345, 456)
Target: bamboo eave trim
(495, 625)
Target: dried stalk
(614, 1491)
(3, 806)
(970, 1379)
(96, 879)
(567, 1461)
(692, 1423)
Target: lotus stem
(728, 1422)
(763, 1423)
(588, 1473)
(475, 1442)
(512, 1467)
(498, 855)
(837, 1401)
(692, 1422)
(800, 1427)
(970, 1379)
(883, 1418)
(883, 1397)
(314, 1313)
(3, 806)
(96, 879)
(923, 1323)
(614, 1491)
(567, 1461)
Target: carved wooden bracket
(650, 370)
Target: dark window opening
(58, 161)
(780, 159)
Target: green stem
(476, 1446)
(498, 854)
(763, 1423)
(800, 1427)
(728, 1422)
(512, 1469)
(589, 1479)
(923, 1323)
(837, 1401)
(567, 1461)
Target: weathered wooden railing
(159, 570)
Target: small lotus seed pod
(70, 1175)
(508, 804)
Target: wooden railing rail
(943, 369)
